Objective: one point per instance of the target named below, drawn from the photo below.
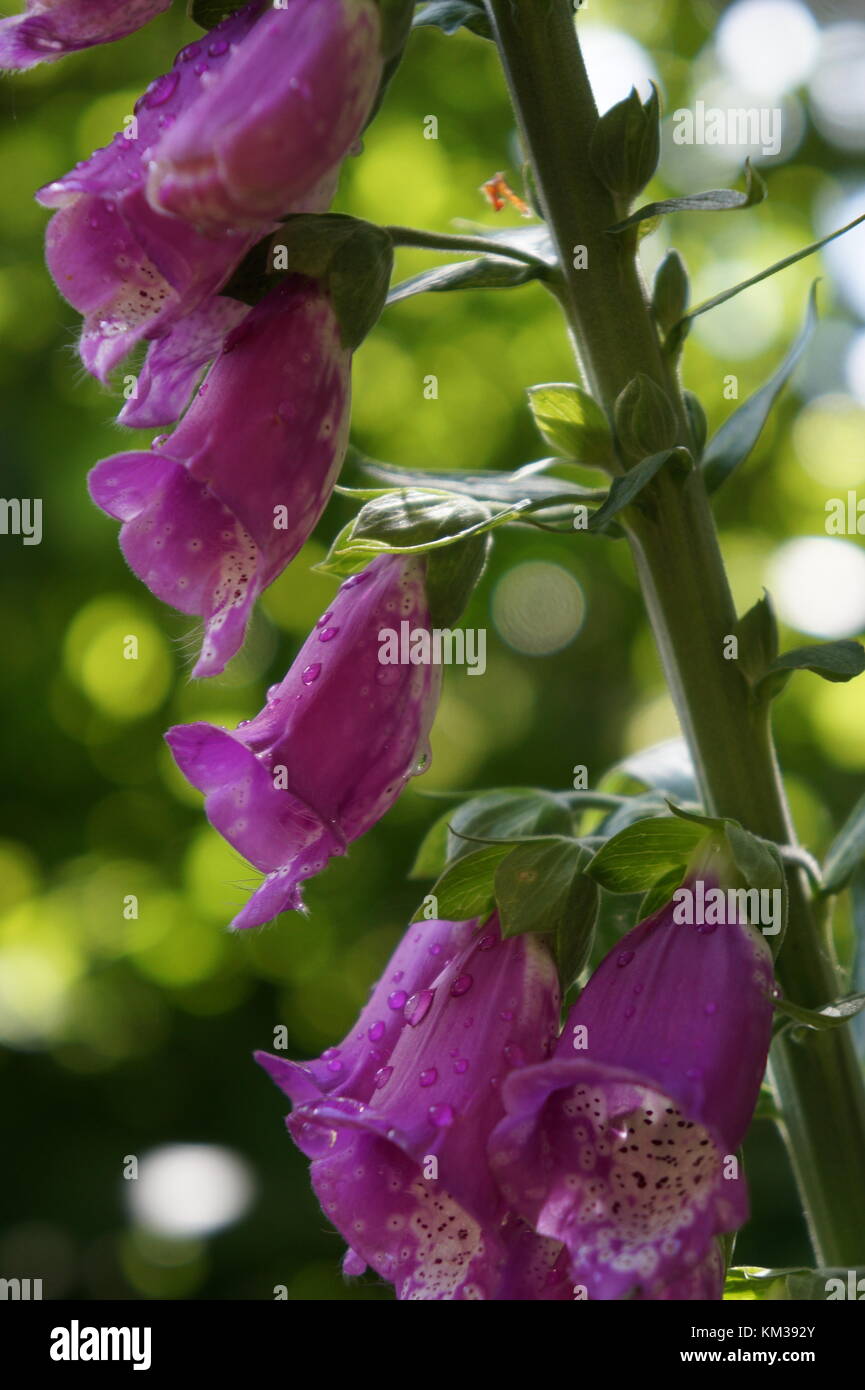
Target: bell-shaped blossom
(332, 748)
(49, 29)
(131, 272)
(215, 511)
(623, 1145)
(395, 1120)
(136, 274)
(281, 114)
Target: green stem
(678, 560)
(461, 245)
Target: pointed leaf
(846, 852)
(832, 1015)
(715, 200)
(628, 486)
(834, 661)
(633, 860)
(480, 273)
(737, 436)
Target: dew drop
(217, 48)
(441, 1115)
(461, 985)
(624, 958)
(514, 1055)
(335, 1065)
(162, 89)
(487, 942)
(461, 1066)
(418, 1006)
(310, 673)
(353, 581)
(397, 999)
(382, 1077)
(428, 1077)
(375, 1031)
(323, 620)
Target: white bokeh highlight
(538, 608)
(818, 586)
(768, 47)
(187, 1190)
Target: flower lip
(594, 1156)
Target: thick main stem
(678, 560)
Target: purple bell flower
(396, 1119)
(278, 119)
(215, 511)
(49, 29)
(623, 1145)
(332, 748)
(136, 274)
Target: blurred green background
(124, 1035)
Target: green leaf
(534, 884)
(633, 860)
(507, 814)
(715, 200)
(645, 419)
(452, 15)
(628, 486)
(353, 257)
(626, 144)
(572, 423)
(670, 292)
(846, 852)
(480, 273)
(465, 889)
(660, 893)
(757, 633)
(737, 436)
(209, 13)
(488, 486)
(833, 1015)
(409, 521)
(452, 576)
(751, 1283)
(696, 420)
(666, 767)
(834, 661)
(764, 274)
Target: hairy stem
(678, 560)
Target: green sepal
(626, 145)
(644, 418)
(572, 423)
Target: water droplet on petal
(382, 1077)
(461, 985)
(324, 620)
(335, 1065)
(487, 942)
(353, 581)
(397, 999)
(375, 1031)
(162, 89)
(310, 673)
(428, 1077)
(418, 1006)
(441, 1115)
(461, 1066)
(514, 1055)
(397, 976)
(624, 958)
(435, 949)
(217, 48)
